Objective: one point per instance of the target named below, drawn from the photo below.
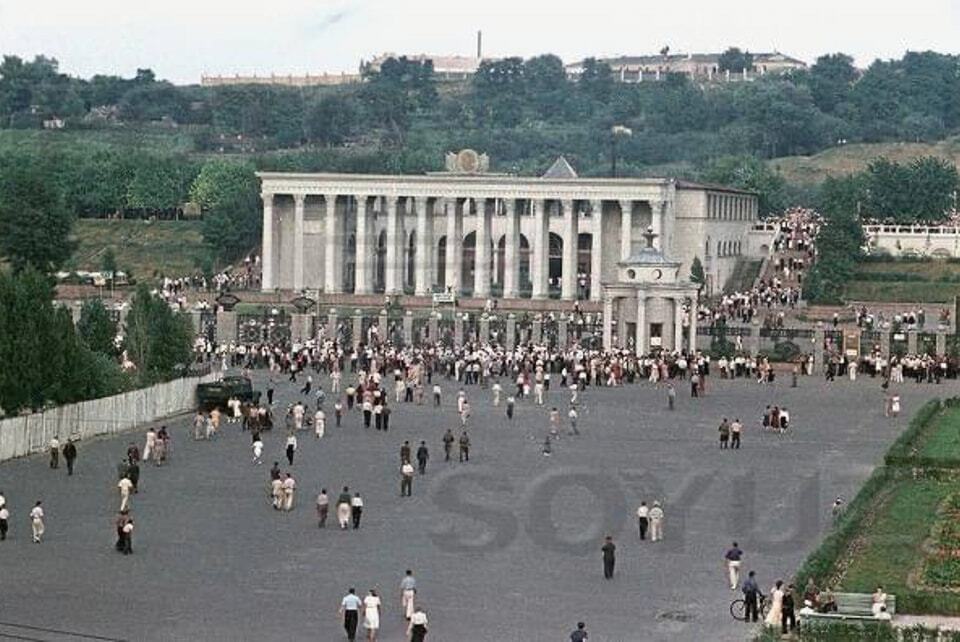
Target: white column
(571, 233)
(656, 222)
(481, 270)
(694, 311)
(677, 323)
(454, 257)
(392, 276)
(607, 323)
(596, 249)
(421, 265)
(364, 260)
(334, 250)
(267, 253)
(298, 201)
(540, 268)
(641, 340)
(511, 259)
(626, 224)
(666, 241)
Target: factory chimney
(479, 45)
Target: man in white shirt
(125, 486)
(289, 486)
(656, 522)
(643, 519)
(350, 610)
(406, 479)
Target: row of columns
(454, 208)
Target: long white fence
(28, 434)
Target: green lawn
(148, 248)
(894, 540)
(943, 440)
(152, 138)
(902, 292)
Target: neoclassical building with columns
(489, 235)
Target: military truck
(217, 393)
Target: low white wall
(28, 434)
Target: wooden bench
(854, 606)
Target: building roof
(560, 169)
(704, 58)
(714, 187)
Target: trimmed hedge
(820, 563)
(904, 449)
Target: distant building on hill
(308, 80)
(444, 67)
(701, 66)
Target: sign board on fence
(444, 297)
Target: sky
(182, 39)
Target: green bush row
(892, 277)
(904, 449)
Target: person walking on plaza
(405, 452)
(289, 488)
(356, 510)
(643, 519)
(511, 402)
(133, 472)
(423, 454)
(338, 412)
(199, 421)
(291, 447)
(724, 430)
(125, 487)
(408, 592)
(4, 521)
(572, 415)
(323, 508)
(733, 559)
(656, 522)
(417, 627)
(580, 633)
(371, 615)
(464, 447)
(609, 550)
(350, 610)
(128, 537)
(120, 522)
(319, 424)
(406, 479)
(150, 442)
(54, 452)
(436, 395)
(276, 492)
(735, 429)
(257, 451)
(343, 508)
(69, 455)
(788, 617)
(36, 522)
(448, 440)
(751, 598)
(671, 397)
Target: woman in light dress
(776, 605)
(371, 615)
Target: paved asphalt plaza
(506, 547)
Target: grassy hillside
(147, 248)
(847, 159)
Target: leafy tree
(596, 80)
(229, 194)
(735, 61)
(159, 182)
(34, 222)
(95, 327)
(330, 120)
(44, 362)
(156, 339)
(108, 263)
(920, 191)
(697, 275)
(831, 78)
(749, 172)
